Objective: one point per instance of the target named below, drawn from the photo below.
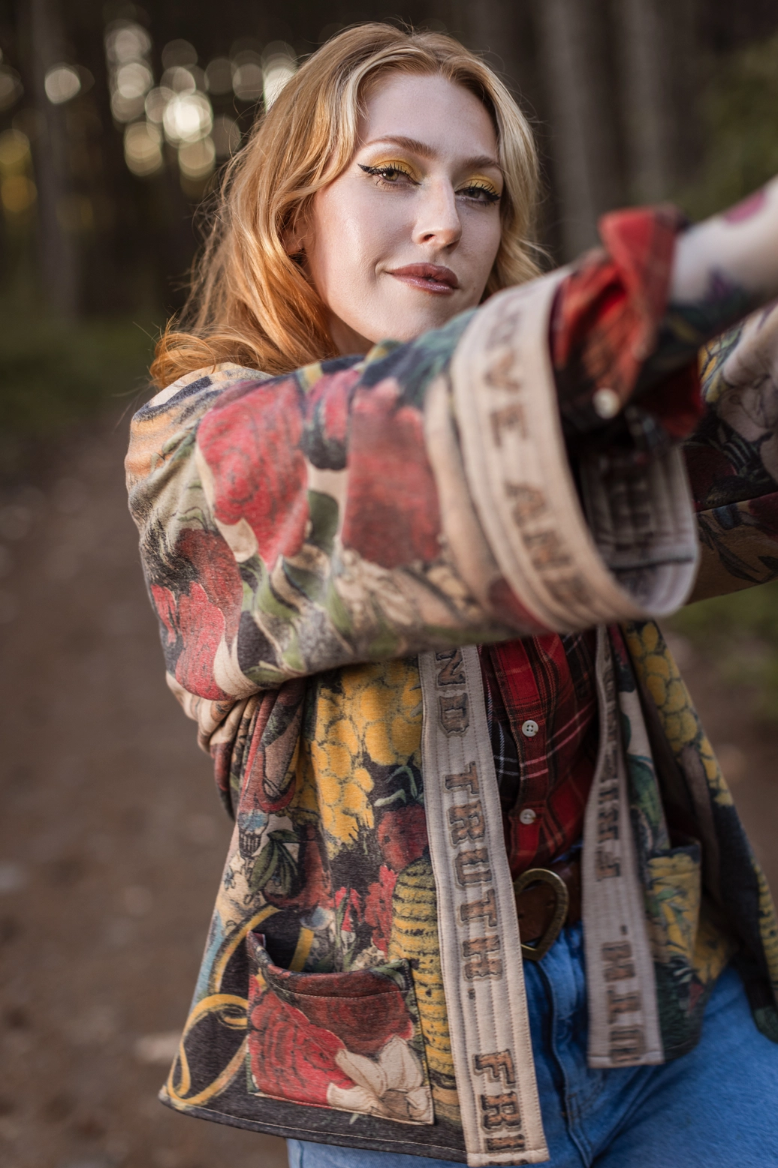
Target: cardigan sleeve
(732, 458)
(364, 509)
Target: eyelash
(476, 193)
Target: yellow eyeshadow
(480, 180)
(394, 164)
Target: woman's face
(405, 238)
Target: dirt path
(112, 838)
(111, 843)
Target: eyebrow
(425, 151)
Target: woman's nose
(437, 221)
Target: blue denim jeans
(716, 1107)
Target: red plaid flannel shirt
(544, 776)
(605, 321)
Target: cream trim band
(637, 555)
(620, 982)
(480, 947)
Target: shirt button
(527, 816)
(529, 728)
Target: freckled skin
(435, 203)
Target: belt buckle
(546, 876)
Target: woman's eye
(389, 173)
(479, 194)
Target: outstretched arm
(372, 508)
(420, 497)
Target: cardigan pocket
(349, 1041)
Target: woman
(325, 542)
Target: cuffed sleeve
(367, 509)
(732, 458)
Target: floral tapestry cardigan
(293, 599)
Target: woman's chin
(406, 326)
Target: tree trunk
(683, 20)
(59, 259)
(646, 100)
(658, 59)
(572, 55)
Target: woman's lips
(428, 277)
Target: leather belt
(546, 900)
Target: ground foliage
(739, 635)
(739, 111)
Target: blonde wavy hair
(252, 303)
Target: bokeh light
(143, 149)
(126, 41)
(14, 151)
(10, 87)
(133, 80)
(17, 189)
(197, 159)
(279, 66)
(247, 78)
(126, 109)
(179, 79)
(156, 103)
(187, 118)
(17, 193)
(61, 83)
(178, 52)
(127, 46)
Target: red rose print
(349, 923)
(336, 391)
(217, 572)
(291, 1057)
(315, 873)
(202, 627)
(402, 835)
(165, 605)
(378, 907)
(327, 419)
(251, 444)
(392, 516)
(272, 741)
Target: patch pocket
(349, 1041)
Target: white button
(607, 403)
(529, 728)
(527, 816)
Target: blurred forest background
(114, 123)
(115, 120)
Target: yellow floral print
(768, 924)
(674, 903)
(712, 949)
(369, 713)
(655, 666)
